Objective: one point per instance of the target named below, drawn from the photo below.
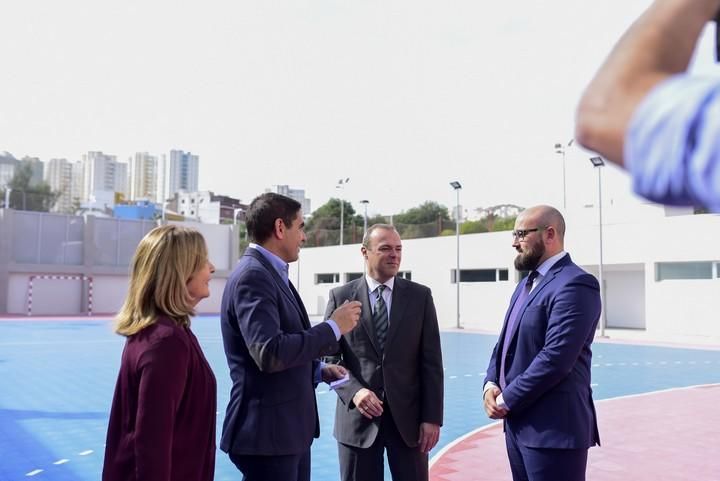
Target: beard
(529, 258)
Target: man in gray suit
(393, 397)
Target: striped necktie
(380, 317)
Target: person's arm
(347, 390)
(163, 372)
(658, 45)
(574, 315)
(431, 379)
(431, 366)
(271, 348)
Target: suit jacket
(272, 354)
(547, 368)
(408, 376)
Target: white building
(207, 207)
(661, 273)
(297, 194)
(183, 172)
(103, 175)
(59, 176)
(144, 177)
(8, 164)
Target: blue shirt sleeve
(672, 148)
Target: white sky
(400, 96)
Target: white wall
(630, 251)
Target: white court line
(34, 472)
(456, 441)
(453, 377)
(468, 375)
(61, 461)
(85, 453)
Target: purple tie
(512, 321)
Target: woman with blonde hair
(162, 420)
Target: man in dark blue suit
(538, 380)
(273, 351)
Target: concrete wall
(668, 309)
(634, 299)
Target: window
(683, 270)
(405, 275)
(327, 278)
(351, 276)
(480, 275)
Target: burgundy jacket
(162, 421)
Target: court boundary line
(460, 439)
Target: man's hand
(346, 316)
(368, 403)
(490, 400)
(332, 372)
(429, 436)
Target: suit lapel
(279, 281)
(546, 279)
(397, 308)
(361, 294)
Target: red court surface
(667, 435)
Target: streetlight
(457, 186)
(365, 202)
(339, 185)
(560, 149)
(599, 163)
(7, 197)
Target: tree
(323, 226)
(425, 213)
(24, 196)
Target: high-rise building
(144, 177)
(122, 180)
(183, 172)
(162, 179)
(103, 176)
(59, 176)
(8, 164)
(76, 185)
(297, 194)
(37, 168)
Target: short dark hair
(264, 210)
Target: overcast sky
(402, 97)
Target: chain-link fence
(353, 233)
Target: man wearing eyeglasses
(538, 380)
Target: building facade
(144, 177)
(183, 172)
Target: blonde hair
(164, 262)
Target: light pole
(457, 186)
(365, 202)
(339, 185)
(598, 163)
(7, 197)
(560, 149)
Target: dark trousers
(279, 468)
(541, 464)
(367, 464)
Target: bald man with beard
(538, 380)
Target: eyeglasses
(520, 234)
